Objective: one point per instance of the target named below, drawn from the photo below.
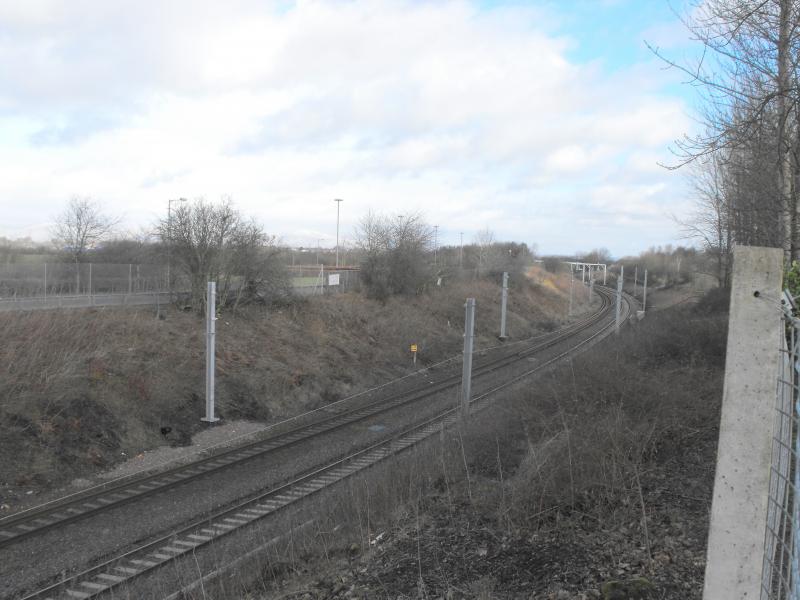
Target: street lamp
(338, 203)
(435, 242)
(169, 241)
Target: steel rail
(26, 524)
(154, 555)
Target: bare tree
(484, 240)
(80, 227)
(598, 255)
(212, 242)
(711, 222)
(748, 74)
(395, 253)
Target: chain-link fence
(70, 285)
(781, 566)
(80, 279)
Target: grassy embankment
(595, 482)
(82, 389)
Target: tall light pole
(461, 252)
(169, 241)
(318, 241)
(338, 203)
(435, 242)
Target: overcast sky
(543, 121)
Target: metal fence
(781, 565)
(71, 285)
(81, 279)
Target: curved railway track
(125, 567)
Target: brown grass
(79, 388)
(573, 446)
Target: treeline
(399, 255)
(665, 265)
(200, 241)
(746, 162)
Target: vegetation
(395, 254)
(213, 242)
(78, 392)
(746, 162)
(595, 480)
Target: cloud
(472, 115)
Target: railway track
(29, 523)
(125, 567)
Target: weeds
(81, 389)
(576, 446)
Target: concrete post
(466, 375)
(583, 273)
(211, 334)
(45, 283)
(591, 290)
(635, 279)
(619, 298)
(91, 293)
(604, 274)
(503, 305)
(644, 292)
(741, 485)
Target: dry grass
(80, 389)
(575, 445)
(578, 440)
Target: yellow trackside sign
(413, 347)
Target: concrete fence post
(741, 484)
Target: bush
(580, 437)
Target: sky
(544, 122)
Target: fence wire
(781, 566)
(69, 285)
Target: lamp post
(169, 242)
(461, 252)
(318, 243)
(338, 203)
(435, 242)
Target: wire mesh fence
(31, 280)
(71, 285)
(781, 565)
